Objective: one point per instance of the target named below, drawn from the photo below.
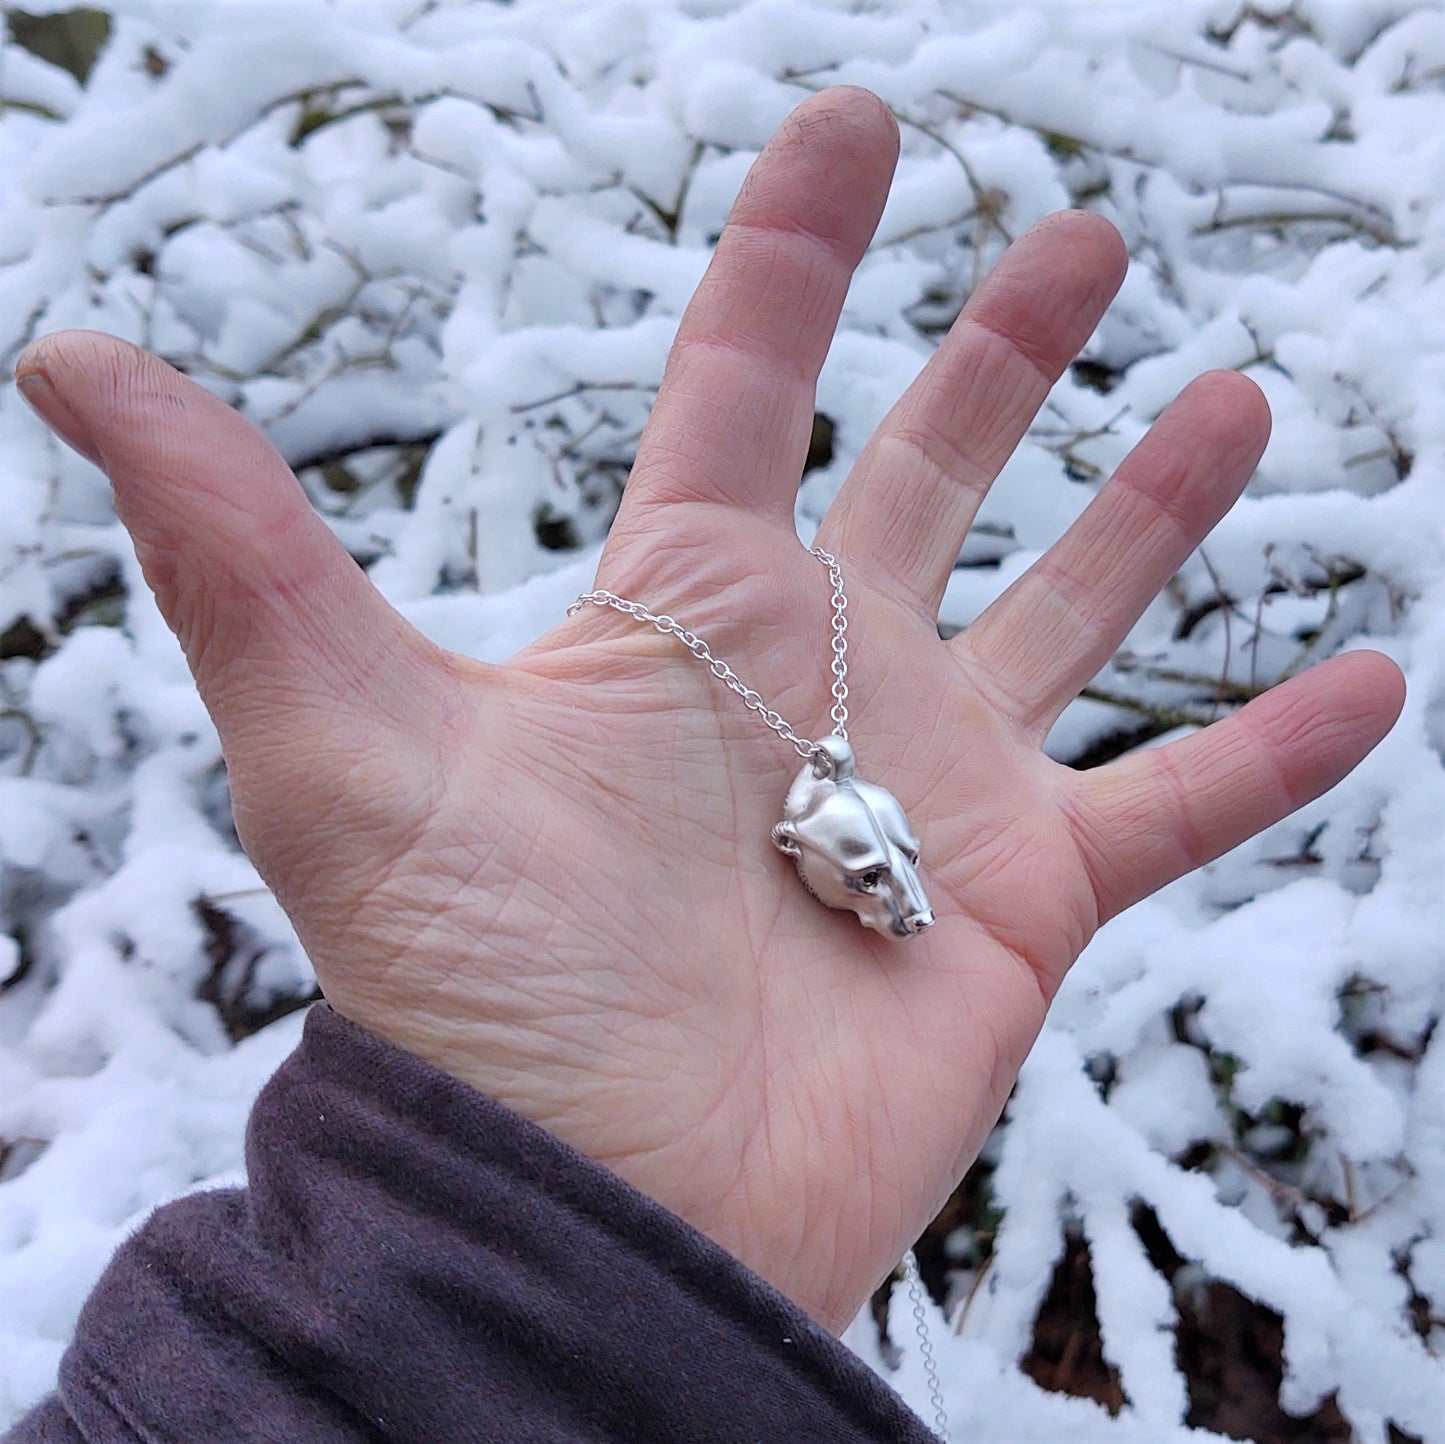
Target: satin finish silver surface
(853, 845)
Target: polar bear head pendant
(852, 844)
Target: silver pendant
(852, 844)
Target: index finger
(735, 409)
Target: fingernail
(35, 387)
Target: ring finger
(1059, 623)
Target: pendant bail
(834, 759)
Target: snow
(449, 244)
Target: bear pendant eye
(871, 878)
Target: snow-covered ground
(437, 250)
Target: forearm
(413, 1262)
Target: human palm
(553, 878)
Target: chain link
(670, 626)
(925, 1344)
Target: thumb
(288, 640)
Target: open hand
(554, 878)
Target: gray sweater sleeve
(413, 1262)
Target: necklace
(850, 839)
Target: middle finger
(902, 515)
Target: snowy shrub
(437, 250)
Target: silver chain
(725, 674)
(753, 701)
(925, 1343)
